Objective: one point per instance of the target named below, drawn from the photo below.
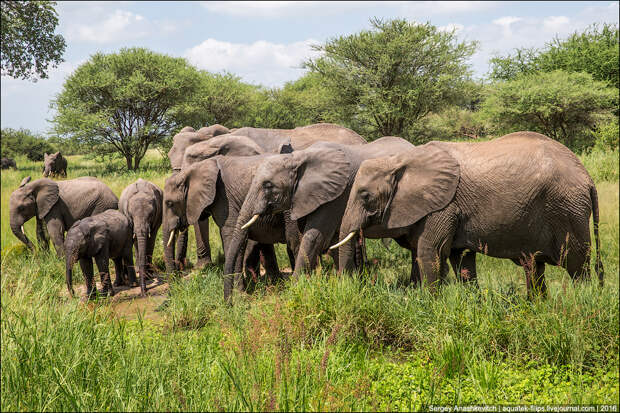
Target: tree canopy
(564, 106)
(29, 45)
(594, 51)
(386, 79)
(124, 102)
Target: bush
(606, 136)
(453, 123)
(24, 142)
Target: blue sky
(264, 42)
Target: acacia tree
(124, 102)
(29, 45)
(388, 78)
(564, 106)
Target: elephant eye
(267, 185)
(169, 204)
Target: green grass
(324, 342)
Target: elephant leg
(463, 264)
(120, 273)
(42, 236)
(56, 230)
(203, 247)
(181, 257)
(86, 264)
(535, 279)
(103, 261)
(577, 257)
(129, 267)
(416, 279)
(291, 257)
(270, 263)
(308, 251)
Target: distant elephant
(185, 138)
(314, 185)
(59, 204)
(54, 165)
(7, 163)
(142, 203)
(523, 196)
(217, 187)
(102, 236)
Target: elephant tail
(595, 217)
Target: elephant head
(51, 163)
(31, 199)
(221, 145)
(189, 136)
(184, 204)
(397, 191)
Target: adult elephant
(141, 202)
(187, 137)
(523, 196)
(314, 185)
(59, 205)
(217, 187)
(175, 221)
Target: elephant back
(86, 196)
(305, 136)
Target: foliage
(593, 51)
(121, 103)
(388, 78)
(452, 123)
(24, 142)
(327, 342)
(29, 45)
(606, 135)
(219, 98)
(564, 106)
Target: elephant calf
(54, 165)
(102, 236)
(141, 202)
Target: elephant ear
(426, 178)
(128, 193)
(201, 181)
(46, 194)
(322, 175)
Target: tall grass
(322, 342)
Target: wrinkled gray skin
(142, 203)
(314, 185)
(523, 196)
(104, 236)
(58, 205)
(54, 165)
(8, 163)
(185, 138)
(217, 187)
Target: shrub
(24, 142)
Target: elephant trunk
(168, 240)
(348, 237)
(235, 249)
(141, 233)
(18, 230)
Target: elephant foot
(203, 263)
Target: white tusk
(171, 237)
(344, 241)
(23, 232)
(250, 222)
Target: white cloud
(120, 25)
(450, 27)
(277, 9)
(259, 62)
(555, 23)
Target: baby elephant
(102, 236)
(54, 165)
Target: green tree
(594, 51)
(24, 142)
(29, 45)
(564, 106)
(219, 98)
(387, 78)
(121, 103)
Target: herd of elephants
(323, 189)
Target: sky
(265, 42)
